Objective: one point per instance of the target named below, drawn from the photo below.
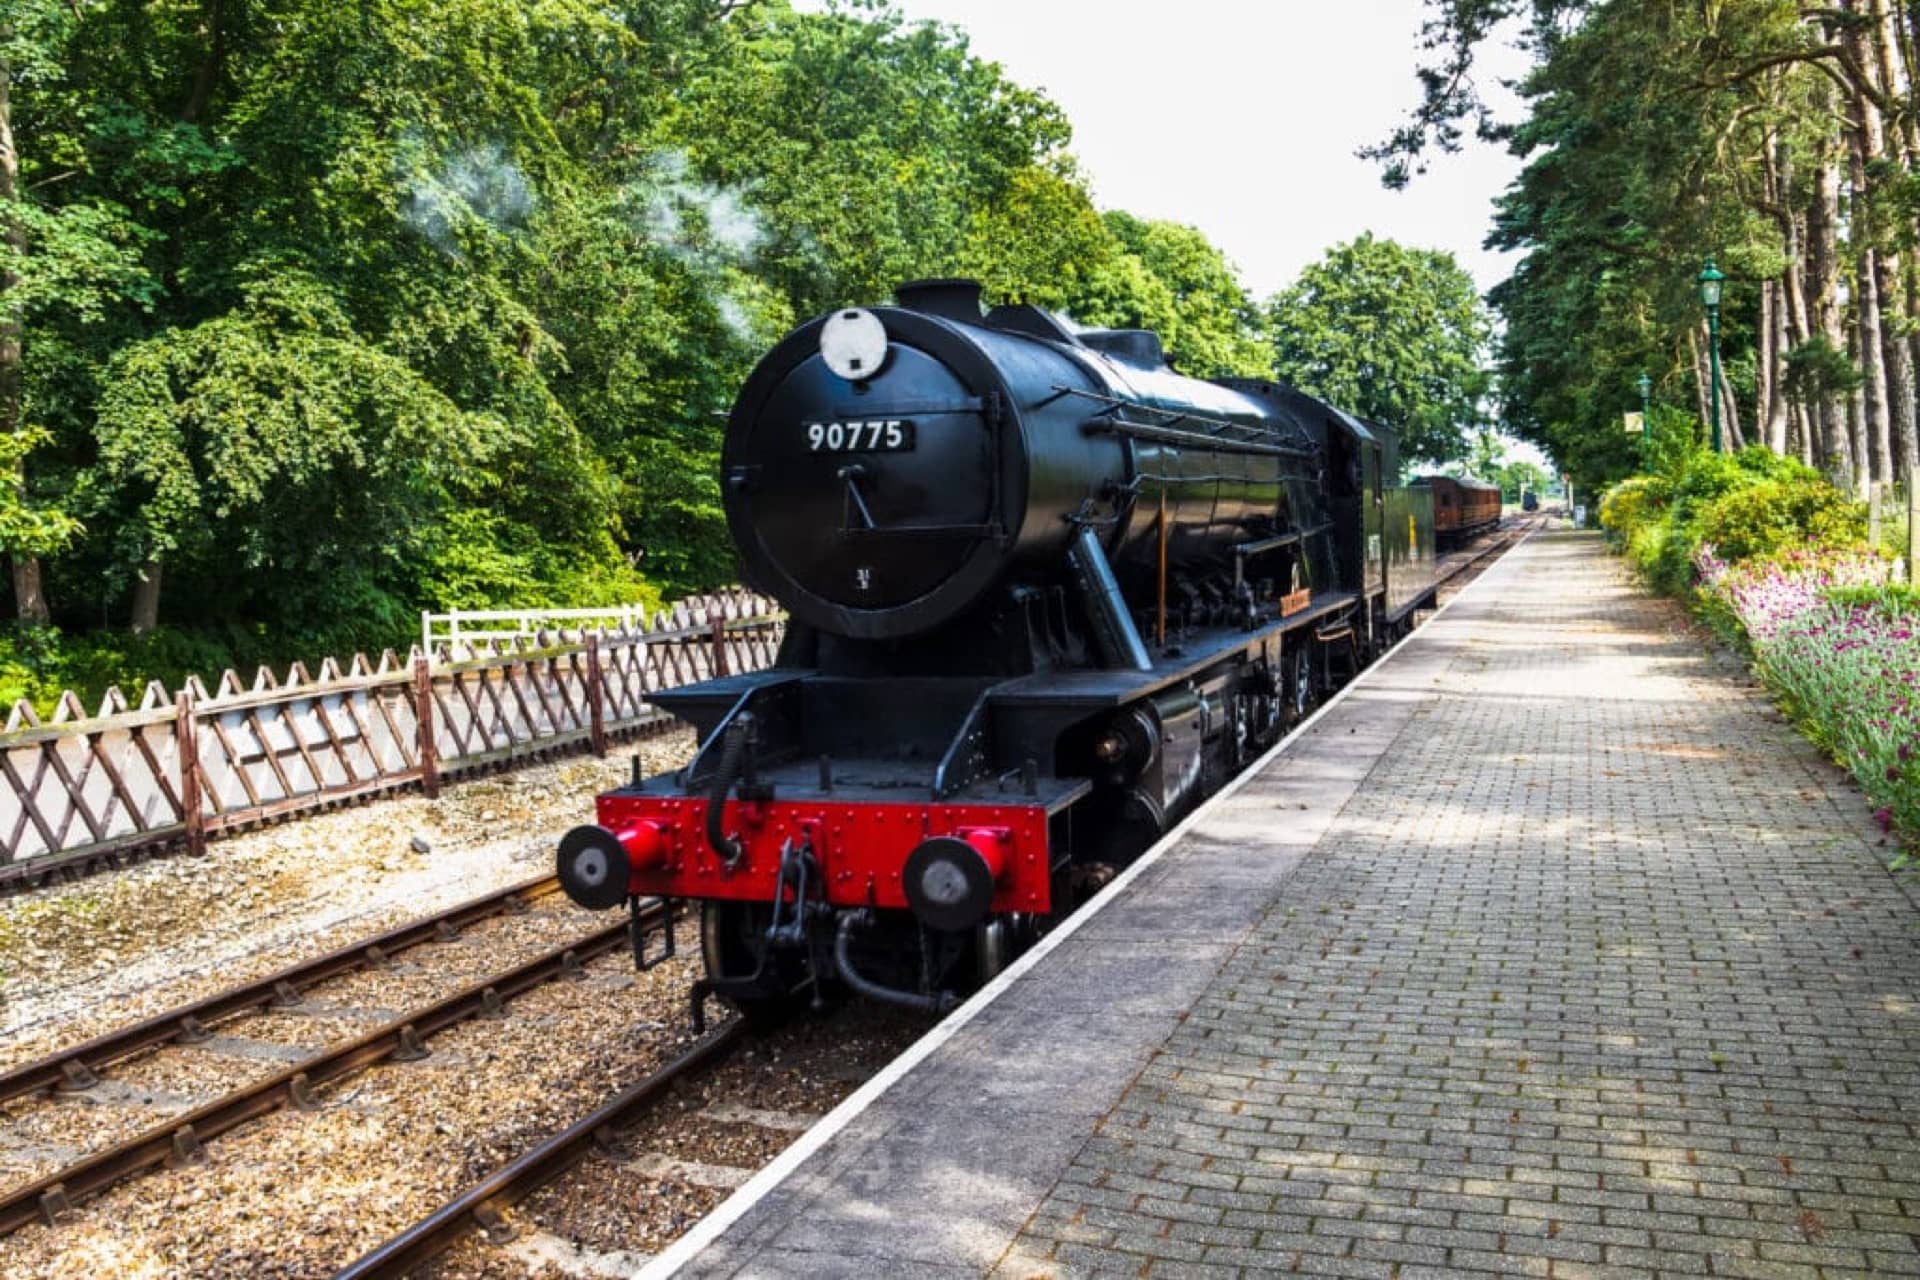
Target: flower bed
(1843, 659)
(1781, 564)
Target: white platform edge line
(736, 1206)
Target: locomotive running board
(1094, 690)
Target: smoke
(709, 229)
(721, 223)
(474, 184)
(734, 316)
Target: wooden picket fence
(179, 768)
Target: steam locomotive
(1045, 594)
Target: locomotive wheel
(1299, 688)
(732, 939)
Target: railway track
(587, 1200)
(178, 1139)
(1462, 566)
(484, 1205)
(78, 1067)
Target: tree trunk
(1898, 359)
(30, 600)
(1779, 412)
(1823, 287)
(1857, 429)
(1768, 426)
(1866, 148)
(1901, 140)
(146, 598)
(209, 71)
(1798, 322)
(1697, 349)
(1876, 412)
(1736, 439)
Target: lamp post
(1646, 415)
(1710, 282)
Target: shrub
(1761, 518)
(1633, 503)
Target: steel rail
(1505, 537)
(484, 1204)
(1465, 559)
(75, 1067)
(178, 1139)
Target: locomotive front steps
(1546, 948)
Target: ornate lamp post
(1646, 415)
(1710, 281)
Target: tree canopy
(315, 314)
(1396, 335)
(1780, 139)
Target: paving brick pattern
(1598, 973)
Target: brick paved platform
(1550, 950)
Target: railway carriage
(1045, 594)
(1462, 508)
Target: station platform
(1548, 948)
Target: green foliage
(1520, 477)
(332, 319)
(1168, 278)
(1890, 600)
(1740, 507)
(37, 664)
(333, 313)
(1634, 504)
(1393, 334)
(1763, 517)
(1647, 135)
(1817, 369)
(26, 527)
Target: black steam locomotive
(1045, 594)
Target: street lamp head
(1645, 384)
(1710, 281)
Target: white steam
(734, 316)
(721, 224)
(707, 228)
(474, 184)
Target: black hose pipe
(733, 755)
(940, 1003)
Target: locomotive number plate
(870, 435)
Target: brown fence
(181, 767)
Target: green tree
(1520, 477)
(1486, 457)
(66, 258)
(1391, 333)
(313, 314)
(1170, 278)
(1778, 137)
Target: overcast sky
(1241, 117)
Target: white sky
(1242, 117)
